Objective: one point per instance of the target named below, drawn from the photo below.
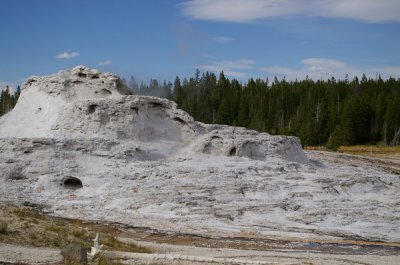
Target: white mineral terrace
(77, 145)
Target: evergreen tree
(332, 112)
(7, 100)
(133, 85)
(177, 95)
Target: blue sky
(162, 39)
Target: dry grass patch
(364, 150)
(372, 150)
(112, 243)
(3, 227)
(102, 260)
(25, 226)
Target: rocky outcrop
(78, 145)
(74, 255)
(84, 104)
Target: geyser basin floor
(78, 145)
(206, 194)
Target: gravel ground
(29, 255)
(175, 254)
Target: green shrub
(107, 261)
(56, 229)
(111, 242)
(79, 233)
(23, 213)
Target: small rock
(74, 255)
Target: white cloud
(323, 68)
(230, 68)
(388, 71)
(223, 40)
(364, 10)
(315, 68)
(253, 10)
(4, 84)
(107, 62)
(67, 55)
(326, 68)
(280, 71)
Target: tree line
(324, 112)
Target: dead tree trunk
(395, 138)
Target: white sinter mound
(79, 146)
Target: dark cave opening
(73, 183)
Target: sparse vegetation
(111, 242)
(382, 151)
(3, 227)
(79, 233)
(35, 229)
(102, 260)
(56, 228)
(23, 212)
(372, 150)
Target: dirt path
(179, 254)
(258, 243)
(390, 165)
(29, 255)
(185, 255)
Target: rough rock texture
(79, 146)
(74, 255)
(85, 104)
